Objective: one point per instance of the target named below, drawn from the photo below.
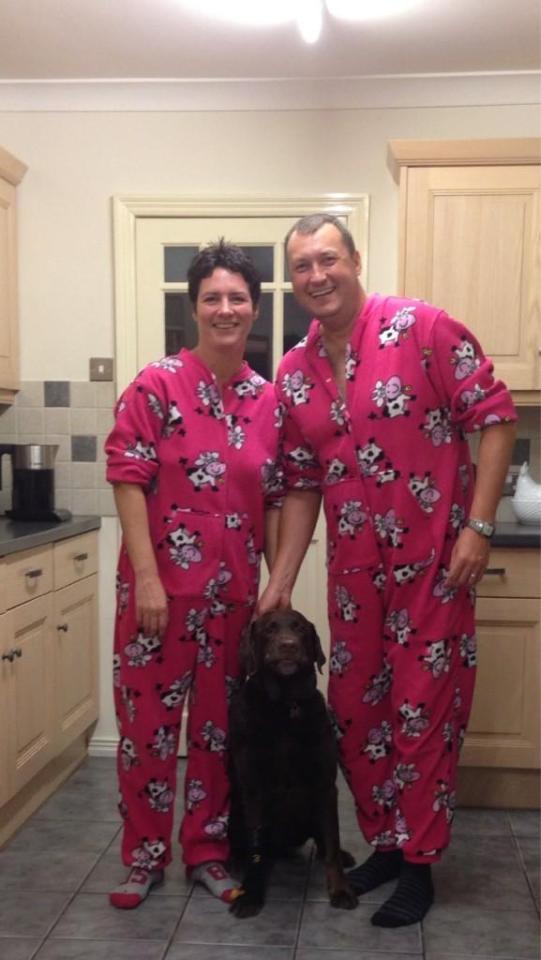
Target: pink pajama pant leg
(152, 680)
(431, 694)
(359, 691)
(401, 688)
(203, 832)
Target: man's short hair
(314, 221)
(226, 256)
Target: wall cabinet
(11, 174)
(469, 243)
(48, 666)
(502, 746)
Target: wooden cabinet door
(76, 658)
(470, 244)
(9, 338)
(504, 724)
(28, 684)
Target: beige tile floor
(55, 874)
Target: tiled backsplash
(77, 416)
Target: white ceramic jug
(527, 498)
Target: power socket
(101, 368)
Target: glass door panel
(180, 327)
(176, 261)
(296, 322)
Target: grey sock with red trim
(135, 889)
(216, 879)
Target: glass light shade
(309, 17)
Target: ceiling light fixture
(308, 14)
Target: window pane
(287, 278)
(259, 345)
(176, 261)
(180, 328)
(263, 258)
(296, 322)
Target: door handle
(79, 557)
(32, 574)
(63, 626)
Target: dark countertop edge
(517, 535)
(16, 535)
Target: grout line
(525, 872)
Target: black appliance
(33, 481)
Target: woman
(192, 458)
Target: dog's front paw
(245, 905)
(344, 898)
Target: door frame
(127, 209)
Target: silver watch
(481, 526)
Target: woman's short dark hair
(228, 257)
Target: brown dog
(283, 759)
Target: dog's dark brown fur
(283, 759)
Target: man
(377, 400)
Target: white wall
(78, 161)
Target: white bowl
(527, 511)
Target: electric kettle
(33, 481)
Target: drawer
(27, 575)
(74, 559)
(511, 573)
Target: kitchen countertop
(18, 535)
(517, 535)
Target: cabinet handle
(32, 574)
(79, 557)
(15, 652)
(63, 626)
(495, 572)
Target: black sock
(379, 868)
(411, 900)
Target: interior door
(164, 248)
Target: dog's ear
(319, 656)
(247, 649)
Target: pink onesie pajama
(207, 464)
(393, 466)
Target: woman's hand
(151, 607)
(468, 559)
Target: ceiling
(159, 39)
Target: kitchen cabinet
(48, 670)
(501, 756)
(11, 173)
(469, 243)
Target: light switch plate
(101, 368)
